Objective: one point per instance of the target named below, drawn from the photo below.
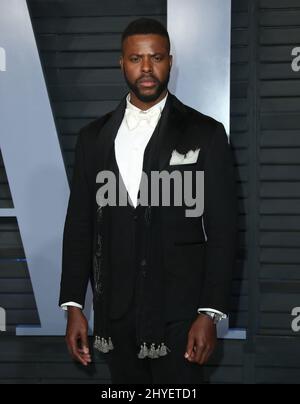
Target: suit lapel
(106, 136)
(173, 122)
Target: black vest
(128, 242)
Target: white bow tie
(133, 117)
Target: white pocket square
(188, 158)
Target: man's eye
(157, 58)
(134, 59)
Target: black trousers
(126, 368)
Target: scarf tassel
(102, 345)
(153, 352)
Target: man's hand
(77, 336)
(202, 340)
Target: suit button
(143, 262)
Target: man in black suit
(161, 275)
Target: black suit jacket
(199, 254)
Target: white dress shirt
(130, 144)
(131, 140)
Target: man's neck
(145, 105)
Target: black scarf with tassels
(150, 320)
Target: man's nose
(146, 65)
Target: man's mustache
(147, 78)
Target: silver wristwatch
(214, 316)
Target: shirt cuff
(64, 306)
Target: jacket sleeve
(220, 222)
(78, 234)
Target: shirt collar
(159, 105)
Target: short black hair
(146, 26)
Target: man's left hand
(202, 340)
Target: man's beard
(162, 85)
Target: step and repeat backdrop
(238, 61)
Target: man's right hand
(77, 336)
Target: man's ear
(171, 60)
